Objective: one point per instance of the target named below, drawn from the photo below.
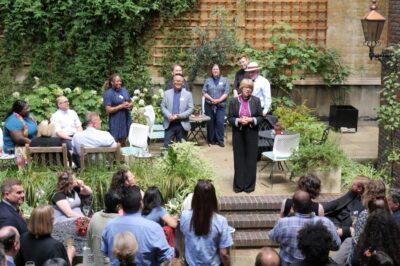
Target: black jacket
(10, 217)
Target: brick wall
(394, 21)
(384, 140)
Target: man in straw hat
(262, 87)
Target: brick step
(252, 220)
(265, 203)
(252, 238)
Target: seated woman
(66, 200)
(19, 126)
(207, 236)
(153, 208)
(125, 248)
(312, 185)
(37, 245)
(45, 133)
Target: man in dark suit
(13, 196)
(176, 106)
(340, 210)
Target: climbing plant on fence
(79, 43)
(389, 110)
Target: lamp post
(372, 24)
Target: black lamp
(372, 24)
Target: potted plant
(324, 160)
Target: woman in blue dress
(19, 126)
(118, 103)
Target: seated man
(340, 210)
(394, 203)
(9, 237)
(286, 229)
(66, 121)
(92, 136)
(268, 257)
(153, 246)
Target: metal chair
(156, 131)
(137, 138)
(284, 145)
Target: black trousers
(245, 146)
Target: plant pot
(331, 180)
(343, 116)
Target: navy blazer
(9, 216)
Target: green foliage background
(79, 43)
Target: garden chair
(284, 146)
(99, 156)
(138, 135)
(156, 131)
(47, 156)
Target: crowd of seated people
(135, 235)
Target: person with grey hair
(394, 203)
(268, 257)
(10, 238)
(92, 136)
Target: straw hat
(253, 66)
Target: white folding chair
(1, 138)
(284, 146)
(137, 138)
(156, 131)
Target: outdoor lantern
(372, 24)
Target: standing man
(286, 229)
(153, 245)
(262, 87)
(66, 121)
(10, 238)
(176, 70)
(241, 74)
(176, 106)
(13, 196)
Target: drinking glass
(30, 263)
(70, 241)
(86, 210)
(354, 215)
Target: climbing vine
(79, 43)
(389, 110)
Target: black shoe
(248, 191)
(212, 143)
(237, 190)
(221, 144)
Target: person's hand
(243, 120)
(71, 251)
(352, 230)
(339, 231)
(172, 117)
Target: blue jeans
(215, 127)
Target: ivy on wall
(81, 43)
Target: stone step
(252, 238)
(265, 203)
(252, 220)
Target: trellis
(252, 20)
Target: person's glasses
(65, 102)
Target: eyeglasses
(65, 102)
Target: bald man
(268, 257)
(285, 230)
(9, 237)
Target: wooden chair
(100, 156)
(47, 156)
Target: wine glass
(86, 210)
(30, 263)
(70, 241)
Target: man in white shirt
(66, 121)
(262, 87)
(92, 136)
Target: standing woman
(245, 114)
(215, 91)
(19, 126)
(207, 236)
(118, 103)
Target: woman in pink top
(245, 114)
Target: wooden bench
(47, 156)
(100, 157)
